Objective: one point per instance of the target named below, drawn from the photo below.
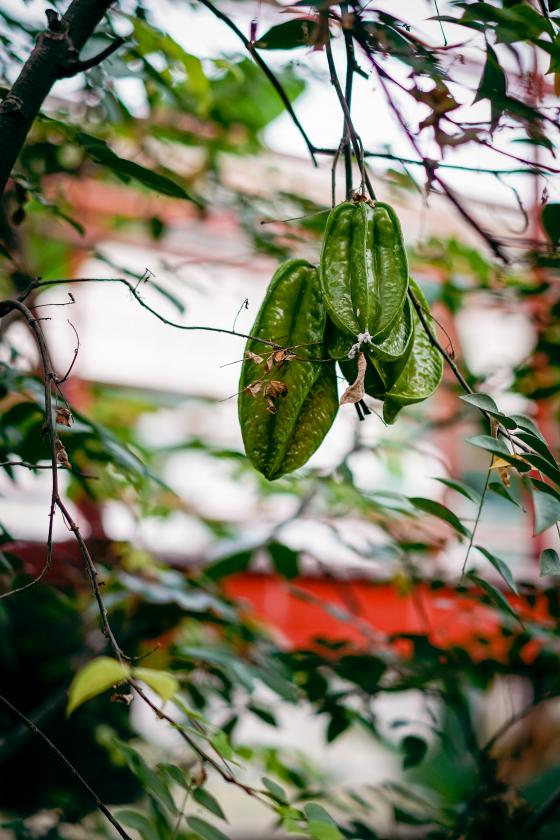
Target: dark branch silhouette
(60, 755)
(55, 56)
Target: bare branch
(77, 775)
(56, 51)
(533, 169)
(82, 66)
(431, 170)
(7, 306)
(354, 138)
(276, 84)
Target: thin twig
(333, 172)
(456, 372)
(433, 340)
(73, 362)
(350, 65)
(8, 305)
(431, 169)
(58, 503)
(477, 520)
(534, 169)
(49, 426)
(354, 138)
(27, 465)
(77, 775)
(94, 580)
(226, 775)
(76, 67)
(276, 84)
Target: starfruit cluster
(355, 309)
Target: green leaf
(550, 217)
(264, 714)
(320, 824)
(226, 566)
(525, 423)
(501, 567)
(288, 36)
(423, 370)
(275, 790)
(340, 721)
(491, 444)
(550, 562)
(205, 830)
(278, 682)
(95, 678)
(498, 488)
(134, 819)
(163, 683)
(175, 774)
(538, 444)
(544, 466)
(495, 595)
(485, 403)
(285, 560)
(414, 751)
(204, 798)
(462, 488)
(152, 783)
(499, 448)
(100, 152)
(221, 744)
(151, 40)
(441, 511)
(493, 84)
(546, 503)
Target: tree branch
(350, 64)
(8, 305)
(526, 170)
(267, 72)
(353, 135)
(82, 66)
(55, 55)
(36, 731)
(429, 165)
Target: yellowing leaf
(95, 678)
(499, 463)
(503, 468)
(162, 682)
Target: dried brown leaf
(275, 389)
(355, 392)
(61, 454)
(254, 388)
(64, 417)
(272, 391)
(253, 356)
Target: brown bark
(55, 56)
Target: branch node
(74, 67)
(11, 104)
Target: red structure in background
(364, 612)
(361, 612)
